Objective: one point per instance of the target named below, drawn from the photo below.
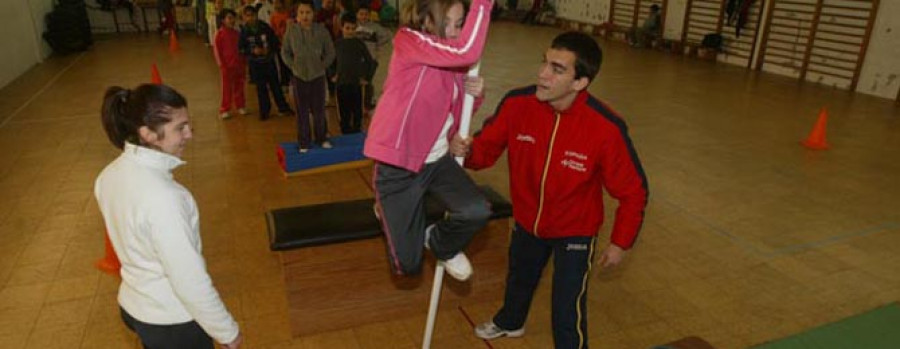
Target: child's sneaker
(458, 267)
(242, 111)
(303, 150)
(225, 115)
(327, 145)
(488, 330)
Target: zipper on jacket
(544, 175)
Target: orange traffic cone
(816, 139)
(154, 75)
(173, 41)
(110, 262)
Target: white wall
(880, 75)
(22, 24)
(674, 25)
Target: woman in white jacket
(166, 295)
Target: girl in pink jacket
(409, 135)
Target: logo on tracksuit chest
(574, 160)
(525, 138)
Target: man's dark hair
(654, 8)
(250, 9)
(588, 55)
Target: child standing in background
(279, 18)
(308, 50)
(278, 21)
(327, 16)
(231, 65)
(354, 70)
(260, 45)
(264, 10)
(375, 37)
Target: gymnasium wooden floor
(749, 237)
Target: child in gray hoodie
(307, 50)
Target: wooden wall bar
(739, 49)
(631, 13)
(818, 40)
(702, 17)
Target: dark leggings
(188, 335)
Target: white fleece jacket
(154, 227)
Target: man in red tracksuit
(564, 146)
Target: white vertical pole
(433, 305)
(468, 104)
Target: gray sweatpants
(401, 198)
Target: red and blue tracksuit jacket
(560, 162)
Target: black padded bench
(337, 222)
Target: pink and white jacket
(418, 92)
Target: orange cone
(173, 41)
(816, 139)
(154, 75)
(110, 263)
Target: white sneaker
(458, 267)
(303, 150)
(327, 145)
(225, 116)
(242, 111)
(488, 330)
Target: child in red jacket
(231, 65)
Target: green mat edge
(886, 335)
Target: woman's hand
(236, 343)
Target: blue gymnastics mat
(345, 154)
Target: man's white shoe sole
(510, 334)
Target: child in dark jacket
(259, 44)
(375, 37)
(355, 68)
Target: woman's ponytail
(115, 104)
